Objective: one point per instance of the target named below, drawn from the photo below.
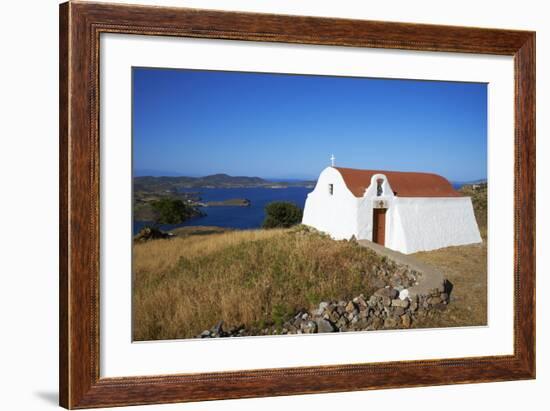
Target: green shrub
(281, 313)
(281, 214)
(173, 211)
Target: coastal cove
(236, 217)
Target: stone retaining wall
(387, 308)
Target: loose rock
(325, 326)
(398, 311)
(434, 300)
(309, 327)
(387, 292)
(350, 307)
(400, 303)
(390, 322)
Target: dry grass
(185, 285)
(466, 268)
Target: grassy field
(256, 277)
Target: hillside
(478, 193)
(215, 180)
(148, 184)
(254, 278)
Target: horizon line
(178, 174)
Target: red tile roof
(403, 184)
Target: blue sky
(193, 122)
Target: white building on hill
(407, 212)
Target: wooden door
(379, 225)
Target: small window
(331, 189)
(379, 187)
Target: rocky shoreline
(386, 308)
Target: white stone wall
(432, 223)
(334, 214)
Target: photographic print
(263, 183)
(281, 204)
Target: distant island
(459, 184)
(174, 184)
(232, 202)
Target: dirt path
(432, 277)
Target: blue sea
(240, 217)
(237, 217)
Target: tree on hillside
(281, 214)
(173, 211)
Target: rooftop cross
(332, 158)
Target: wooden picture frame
(80, 27)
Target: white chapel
(404, 211)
